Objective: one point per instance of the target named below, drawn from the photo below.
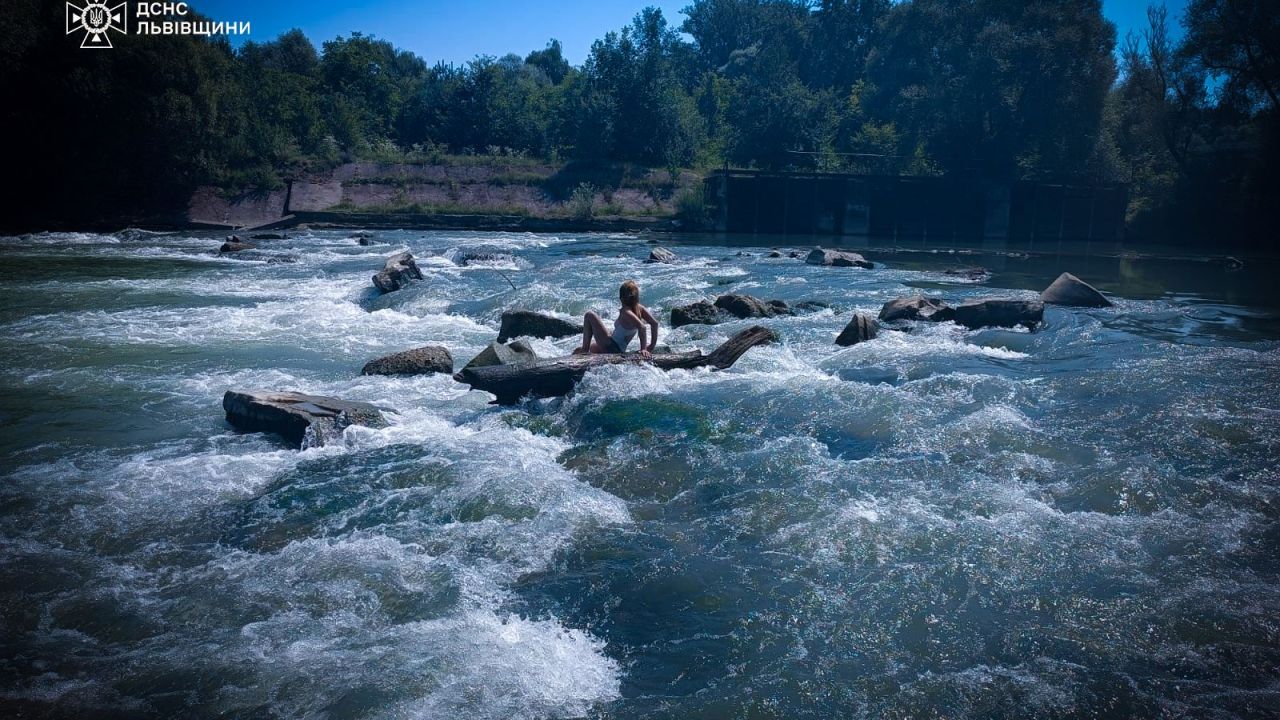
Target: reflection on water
(1077, 521)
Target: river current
(1082, 521)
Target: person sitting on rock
(632, 318)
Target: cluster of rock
(727, 308)
(311, 421)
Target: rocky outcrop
(999, 313)
(305, 420)
(398, 271)
(1072, 291)
(418, 361)
(837, 258)
(731, 307)
(513, 353)
(526, 323)
(234, 244)
(860, 329)
(699, 313)
(747, 306)
(661, 255)
(918, 307)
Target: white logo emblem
(95, 19)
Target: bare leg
(594, 329)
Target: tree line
(986, 89)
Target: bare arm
(653, 323)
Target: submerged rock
(305, 420)
(999, 313)
(861, 328)
(269, 236)
(976, 274)
(475, 258)
(837, 258)
(775, 254)
(661, 255)
(367, 240)
(526, 323)
(918, 307)
(235, 245)
(811, 306)
(1071, 290)
(398, 271)
(418, 361)
(513, 353)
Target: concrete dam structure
(937, 208)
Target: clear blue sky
(459, 30)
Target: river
(1078, 521)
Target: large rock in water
(398, 271)
(514, 353)
(918, 307)
(1000, 313)
(661, 255)
(305, 420)
(747, 306)
(418, 361)
(1071, 290)
(526, 323)
(699, 313)
(860, 329)
(837, 258)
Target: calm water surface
(1080, 521)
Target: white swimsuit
(622, 335)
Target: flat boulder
(861, 328)
(747, 306)
(699, 313)
(999, 313)
(418, 361)
(661, 255)
(1072, 291)
(513, 353)
(305, 420)
(837, 258)
(918, 307)
(397, 272)
(526, 323)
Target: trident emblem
(95, 19)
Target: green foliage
(995, 90)
(690, 205)
(582, 203)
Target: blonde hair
(629, 294)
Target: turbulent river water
(1079, 521)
